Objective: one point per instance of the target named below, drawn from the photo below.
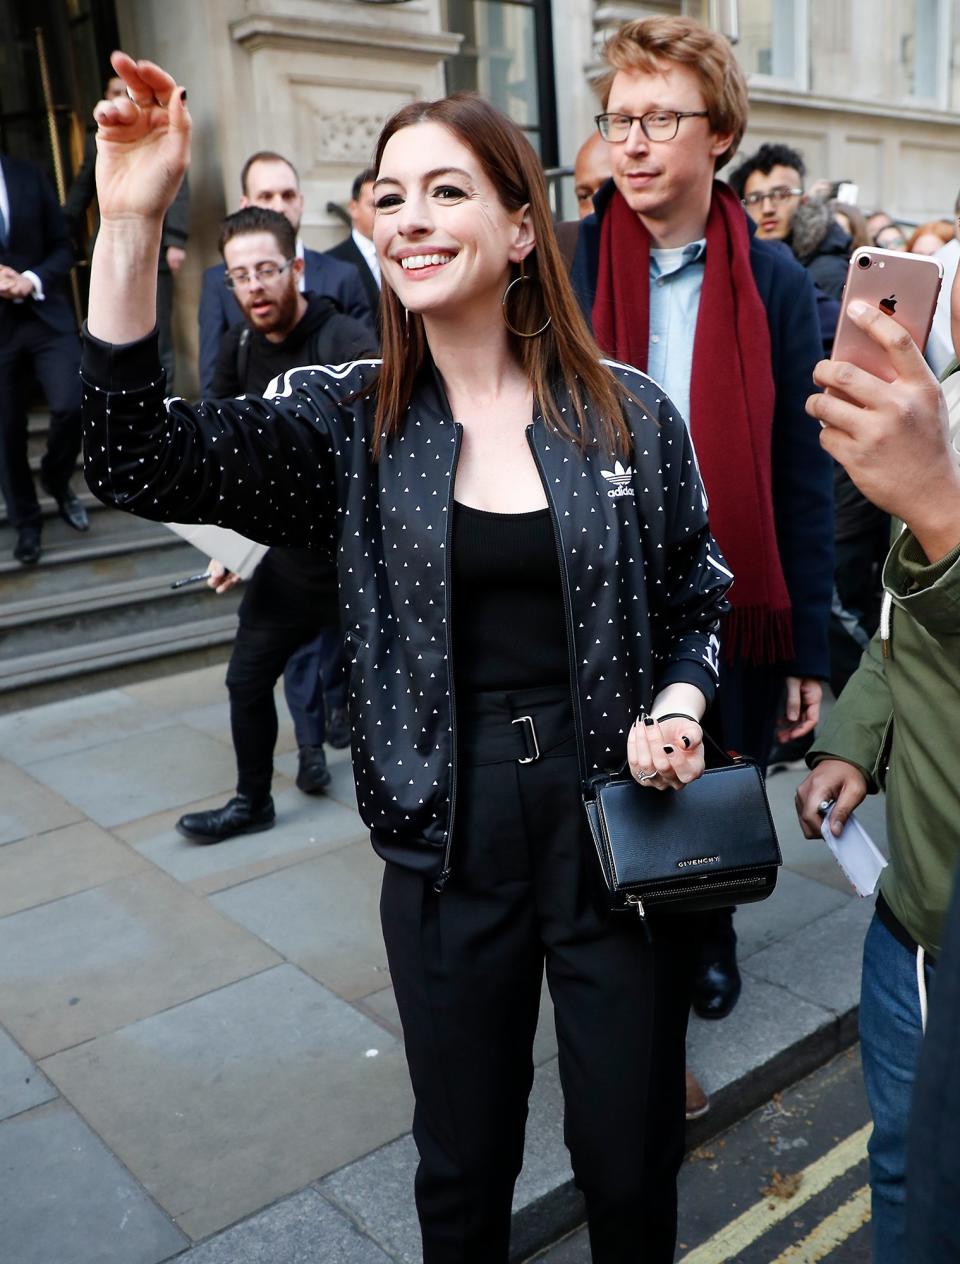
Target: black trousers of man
(28, 344)
(467, 966)
(260, 653)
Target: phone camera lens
(863, 261)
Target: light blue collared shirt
(676, 279)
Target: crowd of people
(531, 514)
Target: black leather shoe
(239, 816)
(27, 547)
(68, 503)
(313, 776)
(338, 728)
(716, 985)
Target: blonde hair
(646, 43)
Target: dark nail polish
(648, 720)
(183, 94)
(686, 742)
(668, 750)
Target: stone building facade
(869, 90)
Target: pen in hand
(190, 579)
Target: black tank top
(508, 623)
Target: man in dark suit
(38, 332)
(271, 181)
(358, 248)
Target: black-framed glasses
(656, 125)
(780, 194)
(264, 272)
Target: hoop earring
(503, 307)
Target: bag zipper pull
(642, 913)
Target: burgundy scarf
(731, 404)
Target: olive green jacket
(898, 721)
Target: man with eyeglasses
(289, 617)
(271, 181)
(671, 273)
(770, 187)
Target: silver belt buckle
(529, 759)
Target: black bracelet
(677, 715)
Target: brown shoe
(697, 1101)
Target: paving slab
(237, 1098)
(377, 1190)
(306, 827)
(140, 774)
(342, 786)
(305, 1229)
(182, 690)
(321, 914)
(64, 1199)
(26, 807)
(76, 724)
(829, 974)
(87, 964)
(49, 866)
(767, 1020)
(377, 1193)
(214, 718)
(22, 1085)
(382, 1007)
(795, 903)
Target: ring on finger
(646, 776)
(143, 105)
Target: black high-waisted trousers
(467, 966)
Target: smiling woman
(510, 621)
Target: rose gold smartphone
(902, 285)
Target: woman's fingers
(664, 757)
(156, 81)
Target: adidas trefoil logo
(621, 478)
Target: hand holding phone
(889, 430)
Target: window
(889, 51)
(507, 57)
(773, 40)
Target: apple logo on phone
(888, 305)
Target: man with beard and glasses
(291, 600)
(270, 181)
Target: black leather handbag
(709, 845)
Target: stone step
(48, 506)
(97, 610)
(87, 658)
(110, 535)
(148, 555)
(57, 622)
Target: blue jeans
(315, 683)
(890, 1036)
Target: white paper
(856, 853)
(235, 551)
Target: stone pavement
(200, 1055)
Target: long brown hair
(565, 352)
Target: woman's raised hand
(143, 143)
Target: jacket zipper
(567, 609)
(444, 874)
